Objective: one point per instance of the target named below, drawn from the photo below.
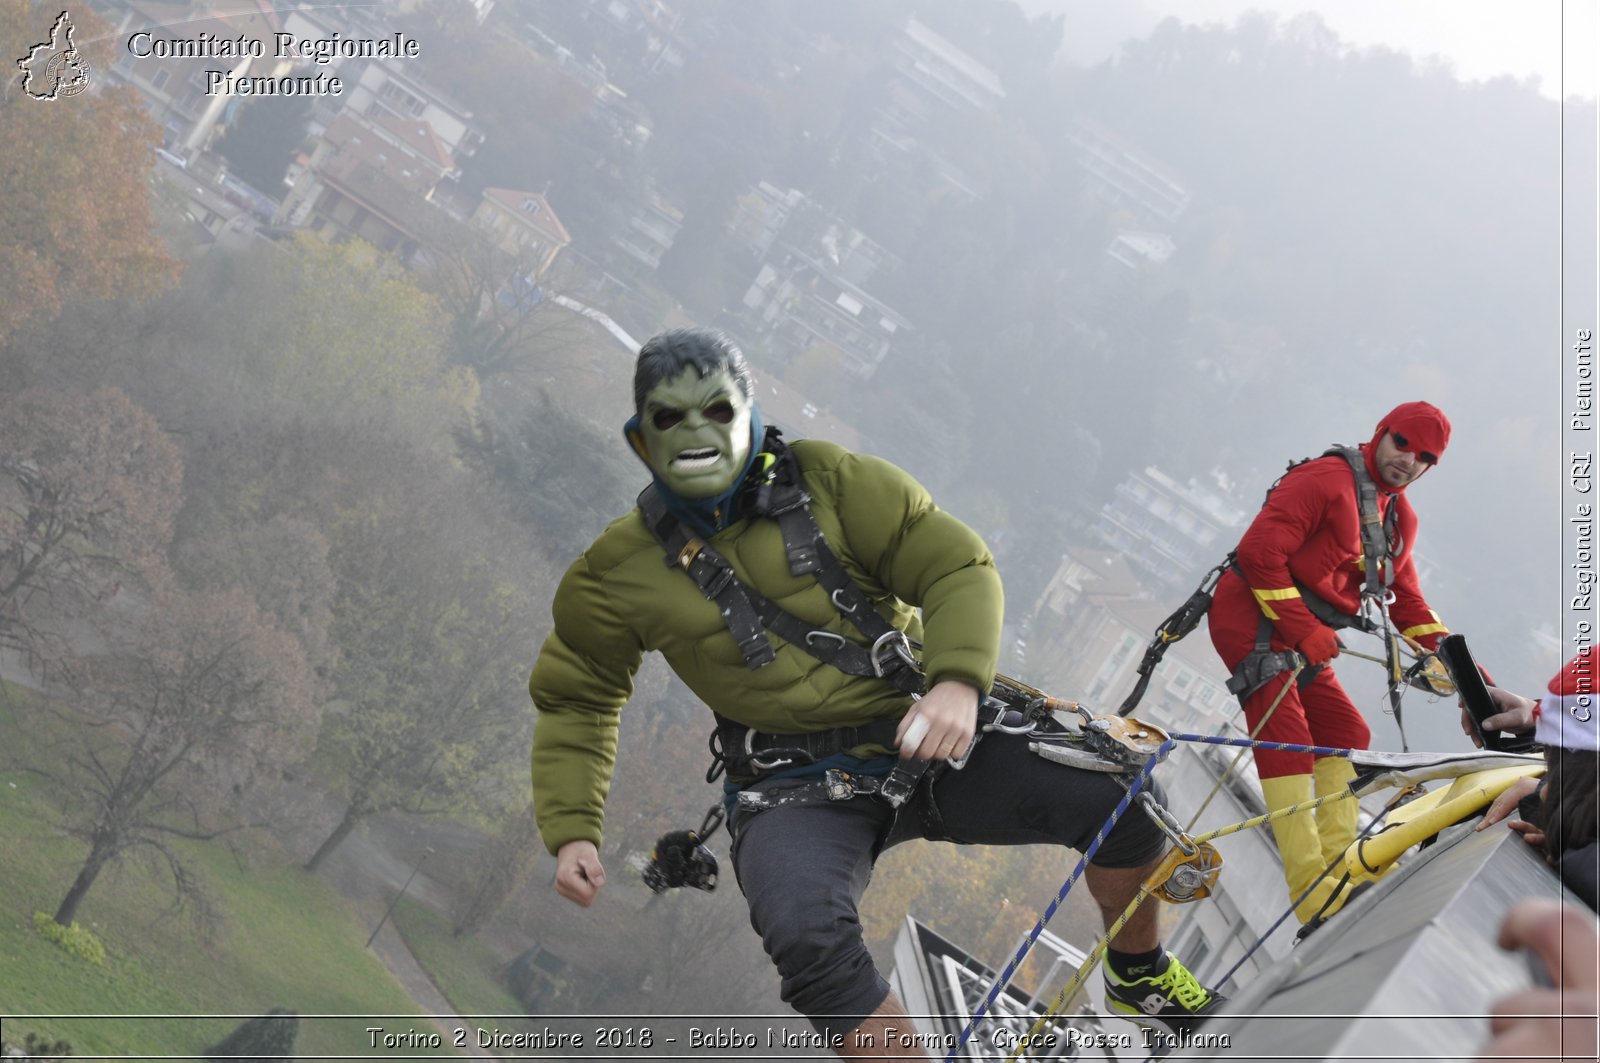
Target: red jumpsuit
(1308, 536)
(1309, 533)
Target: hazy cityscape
(315, 351)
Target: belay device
(680, 858)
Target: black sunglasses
(1424, 456)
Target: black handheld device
(1475, 695)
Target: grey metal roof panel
(1407, 971)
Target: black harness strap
(1380, 538)
(714, 576)
(747, 753)
(746, 611)
(1380, 544)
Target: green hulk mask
(696, 433)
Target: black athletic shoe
(1172, 1001)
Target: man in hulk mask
(792, 573)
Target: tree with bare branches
(501, 320)
(431, 621)
(89, 485)
(206, 698)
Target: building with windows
(936, 73)
(524, 226)
(653, 227)
(1126, 175)
(1170, 532)
(174, 86)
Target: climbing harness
(743, 753)
(749, 615)
(1380, 544)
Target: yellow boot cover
(1337, 821)
(1300, 847)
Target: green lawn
(283, 939)
(465, 971)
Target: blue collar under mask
(706, 516)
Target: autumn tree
(556, 473)
(305, 333)
(502, 867)
(282, 564)
(499, 318)
(75, 219)
(89, 485)
(434, 622)
(206, 697)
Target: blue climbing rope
(1004, 979)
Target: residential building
(174, 88)
(798, 302)
(1089, 630)
(373, 180)
(652, 228)
(1138, 250)
(1171, 532)
(762, 215)
(390, 87)
(937, 74)
(648, 36)
(1127, 175)
(524, 226)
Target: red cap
(1423, 426)
(1569, 715)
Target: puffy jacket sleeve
(929, 559)
(1294, 511)
(583, 676)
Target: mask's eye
(720, 411)
(664, 419)
(1399, 440)
(1427, 457)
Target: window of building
(401, 100)
(160, 80)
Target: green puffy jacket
(619, 599)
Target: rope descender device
(680, 858)
(1113, 744)
(1125, 739)
(1190, 869)
(1187, 876)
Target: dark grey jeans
(804, 866)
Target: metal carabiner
(1168, 825)
(892, 641)
(814, 637)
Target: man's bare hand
(1558, 1022)
(1515, 715)
(941, 725)
(579, 875)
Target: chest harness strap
(1380, 544)
(749, 615)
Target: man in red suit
(1298, 575)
